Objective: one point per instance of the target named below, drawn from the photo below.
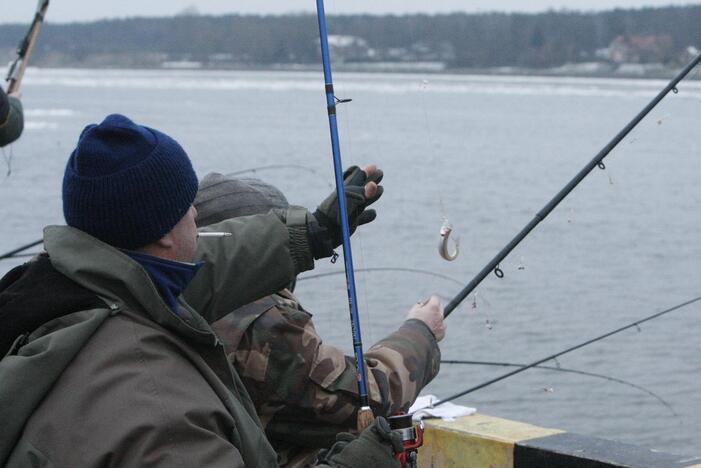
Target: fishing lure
(443, 247)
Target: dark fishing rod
(22, 255)
(25, 49)
(569, 371)
(568, 350)
(493, 265)
(14, 252)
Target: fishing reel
(412, 438)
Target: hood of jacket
(48, 317)
(120, 280)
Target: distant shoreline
(655, 71)
(628, 43)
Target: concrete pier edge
(486, 441)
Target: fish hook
(443, 249)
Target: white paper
(423, 409)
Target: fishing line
(382, 269)
(477, 298)
(445, 221)
(8, 160)
(423, 91)
(571, 371)
(364, 292)
(345, 121)
(489, 322)
(280, 166)
(635, 324)
(429, 134)
(432, 153)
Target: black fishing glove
(325, 227)
(375, 447)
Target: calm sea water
(485, 152)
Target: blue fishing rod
(365, 416)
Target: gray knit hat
(222, 197)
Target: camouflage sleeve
(305, 391)
(400, 366)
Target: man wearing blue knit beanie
(109, 356)
(128, 185)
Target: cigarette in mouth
(213, 234)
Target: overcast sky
(14, 11)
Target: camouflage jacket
(304, 390)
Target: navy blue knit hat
(126, 184)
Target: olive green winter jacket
(125, 381)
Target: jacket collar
(170, 277)
(119, 279)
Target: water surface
(488, 153)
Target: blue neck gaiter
(171, 277)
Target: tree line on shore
(457, 40)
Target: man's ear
(166, 242)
